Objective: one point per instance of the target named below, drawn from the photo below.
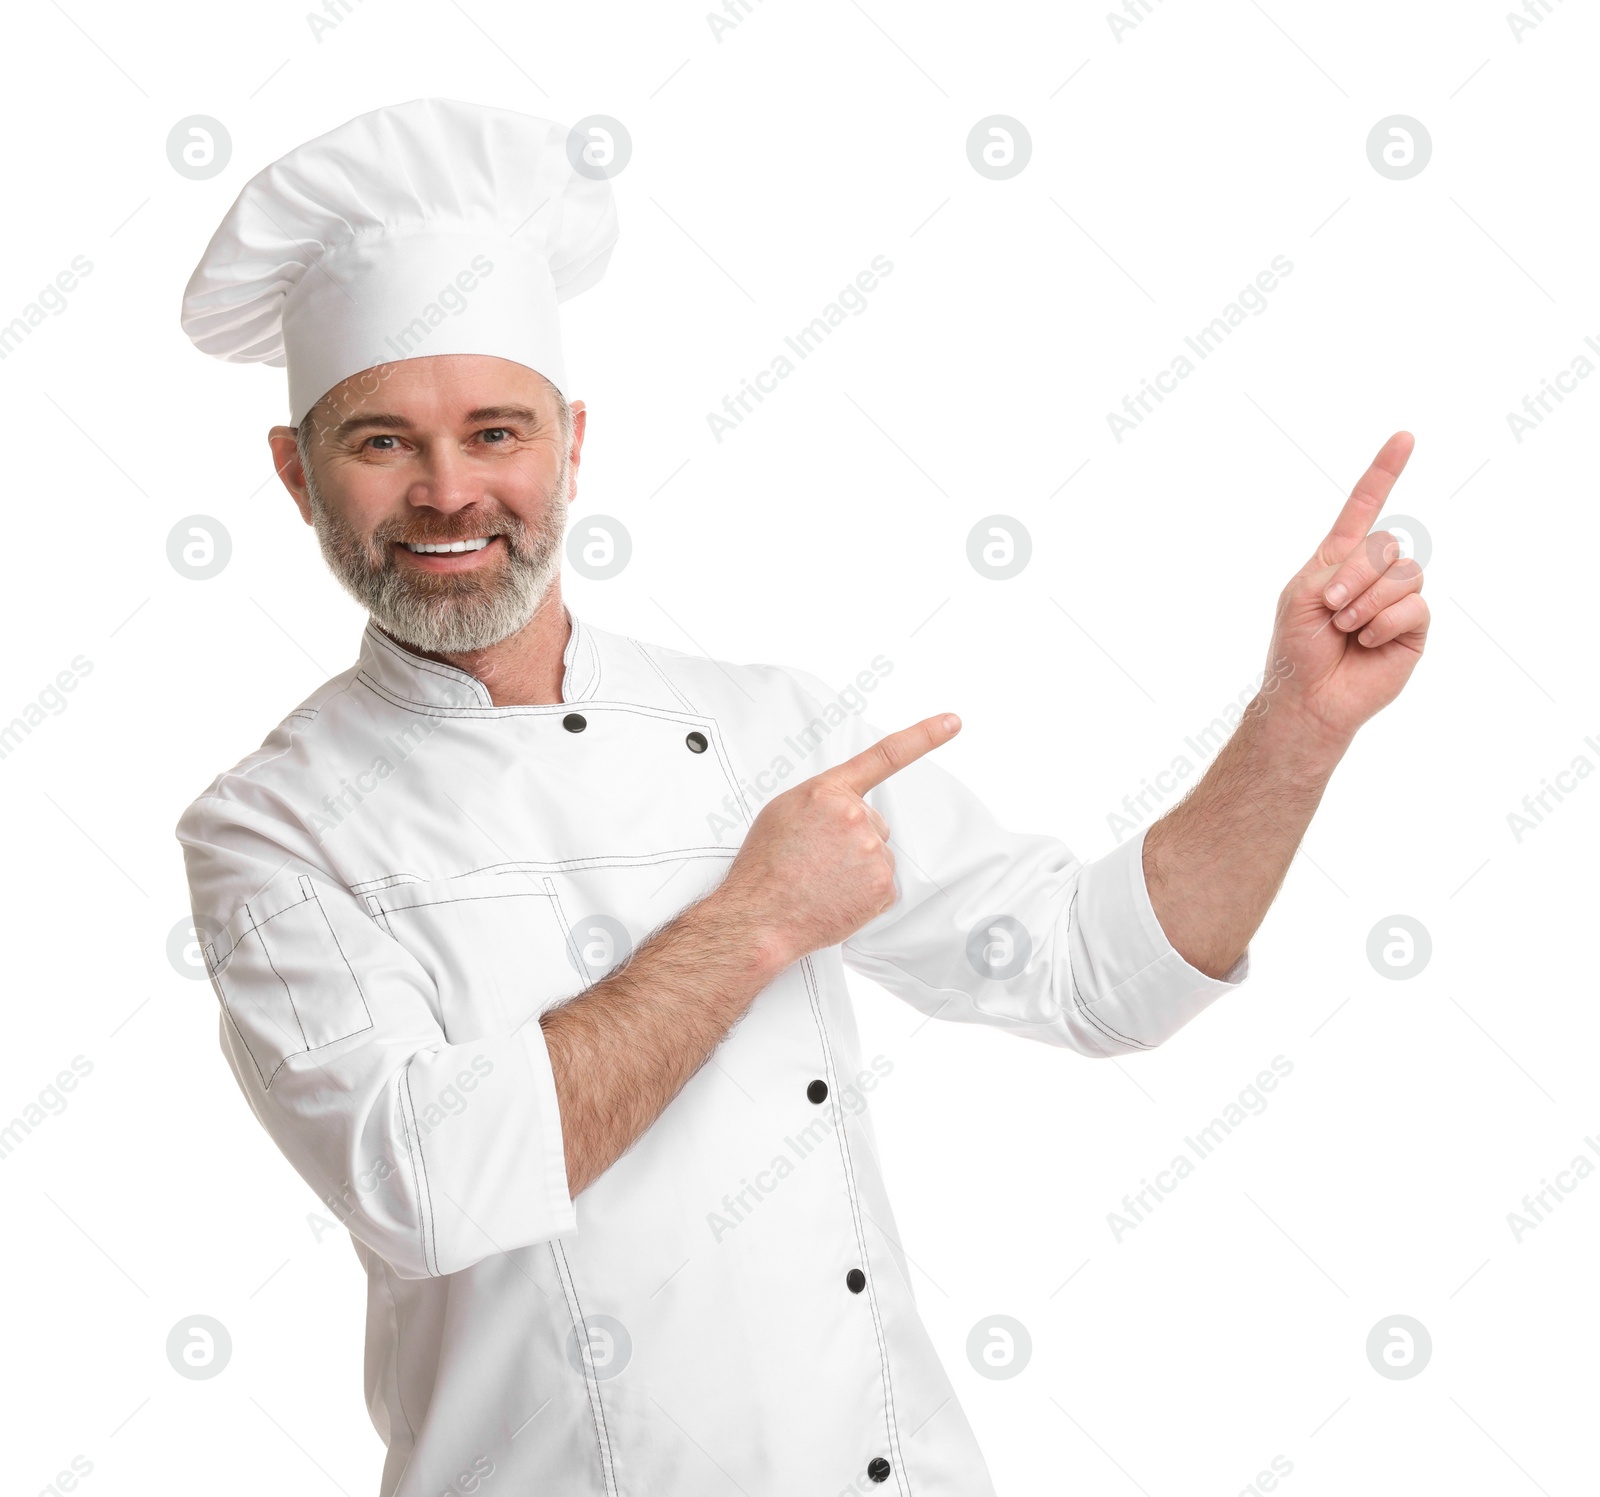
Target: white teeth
(442, 546)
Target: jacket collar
(412, 680)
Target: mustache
(469, 528)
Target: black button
(878, 1468)
(855, 1281)
(574, 722)
(818, 1091)
(698, 741)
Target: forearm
(1215, 862)
(625, 1048)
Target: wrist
(1292, 736)
(754, 931)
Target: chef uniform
(393, 888)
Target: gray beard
(447, 613)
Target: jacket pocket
(495, 944)
(283, 979)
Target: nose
(446, 482)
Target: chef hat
(431, 227)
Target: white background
(768, 168)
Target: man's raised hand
(1351, 623)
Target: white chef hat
(431, 227)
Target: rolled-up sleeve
(1141, 989)
(435, 1155)
(1011, 929)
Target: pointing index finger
(872, 766)
(1366, 501)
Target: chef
(530, 938)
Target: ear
(286, 460)
(580, 420)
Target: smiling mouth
(445, 548)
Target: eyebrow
(385, 421)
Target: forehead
(442, 389)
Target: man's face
(456, 450)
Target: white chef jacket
(404, 875)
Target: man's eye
(382, 439)
(495, 433)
